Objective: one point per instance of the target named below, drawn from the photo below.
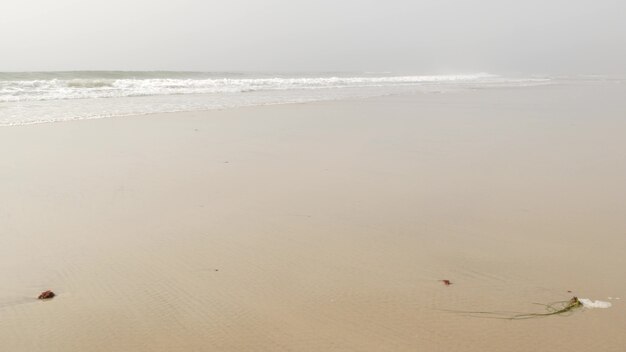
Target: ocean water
(37, 97)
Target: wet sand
(320, 227)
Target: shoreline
(183, 112)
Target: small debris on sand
(446, 282)
(46, 295)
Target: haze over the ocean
(553, 37)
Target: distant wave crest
(92, 87)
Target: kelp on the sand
(556, 308)
(563, 307)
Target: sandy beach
(323, 226)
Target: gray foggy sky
(531, 36)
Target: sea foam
(587, 303)
(33, 97)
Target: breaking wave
(36, 97)
(81, 88)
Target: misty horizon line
(394, 72)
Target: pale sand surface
(329, 225)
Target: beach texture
(324, 226)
